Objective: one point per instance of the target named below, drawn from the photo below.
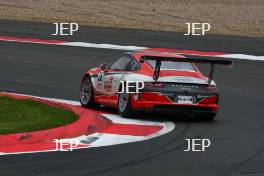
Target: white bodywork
(109, 83)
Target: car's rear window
(169, 65)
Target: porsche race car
(153, 80)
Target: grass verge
(28, 115)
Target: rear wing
(192, 59)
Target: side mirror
(103, 67)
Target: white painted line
(103, 46)
(243, 57)
(121, 47)
(71, 102)
(117, 119)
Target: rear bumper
(158, 102)
(177, 107)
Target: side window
(134, 65)
(125, 63)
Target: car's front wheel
(87, 93)
(124, 105)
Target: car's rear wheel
(87, 93)
(124, 105)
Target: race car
(153, 80)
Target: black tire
(124, 105)
(86, 94)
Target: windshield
(169, 65)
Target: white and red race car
(153, 80)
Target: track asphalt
(55, 71)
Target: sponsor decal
(108, 84)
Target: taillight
(209, 100)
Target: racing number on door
(100, 77)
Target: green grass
(28, 115)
